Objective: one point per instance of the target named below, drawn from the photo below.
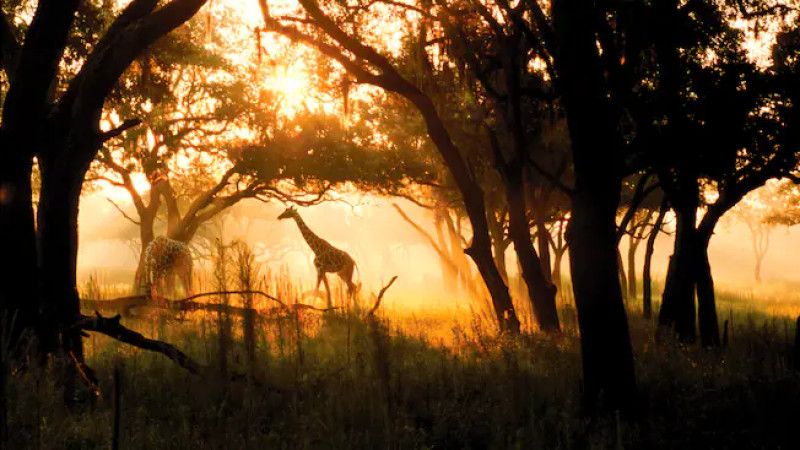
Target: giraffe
(327, 258)
(165, 259)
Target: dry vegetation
(406, 380)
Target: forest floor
(423, 380)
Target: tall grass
(403, 380)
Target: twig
(124, 214)
(383, 290)
(86, 373)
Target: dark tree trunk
(647, 305)
(472, 194)
(543, 243)
(541, 292)
(608, 371)
(605, 343)
(481, 253)
(633, 245)
(706, 305)
(678, 310)
(18, 281)
(58, 251)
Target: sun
(291, 86)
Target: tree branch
(124, 214)
(371, 312)
(112, 327)
(126, 125)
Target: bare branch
(124, 214)
(371, 312)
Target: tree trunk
(647, 305)
(678, 310)
(541, 292)
(558, 255)
(758, 269)
(481, 253)
(146, 235)
(472, 194)
(449, 276)
(605, 343)
(58, 252)
(608, 372)
(18, 281)
(706, 305)
(499, 245)
(543, 241)
(633, 244)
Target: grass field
(415, 379)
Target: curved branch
(113, 328)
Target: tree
(514, 96)
(192, 154)
(762, 210)
(647, 303)
(713, 129)
(367, 65)
(593, 117)
(60, 126)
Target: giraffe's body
(327, 258)
(164, 260)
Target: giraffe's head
(288, 214)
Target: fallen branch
(125, 304)
(113, 328)
(383, 290)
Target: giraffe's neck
(315, 242)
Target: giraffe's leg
(319, 278)
(327, 290)
(346, 275)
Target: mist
(383, 245)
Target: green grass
(336, 381)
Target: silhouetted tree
(60, 126)
(589, 88)
(710, 124)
